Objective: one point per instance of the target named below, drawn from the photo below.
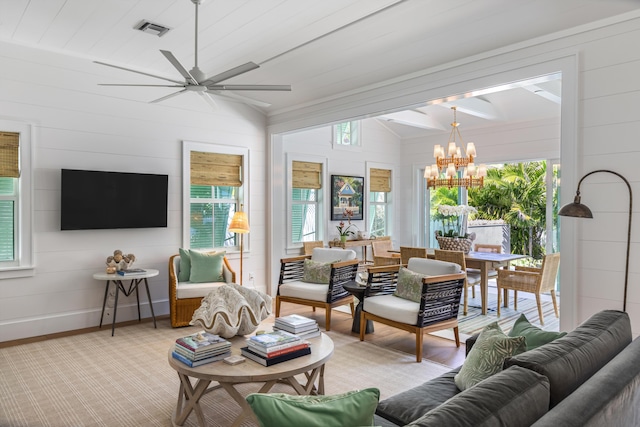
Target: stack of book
(302, 326)
(200, 348)
(275, 347)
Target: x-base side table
(118, 280)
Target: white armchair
(316, 280)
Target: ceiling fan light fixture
(151, 28)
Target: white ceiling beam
(475, 107)
(544, 93)
(412, 118)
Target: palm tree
(516, 193)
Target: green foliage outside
(515, 193)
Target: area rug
(125, 380)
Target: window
(16, 248)
(347, 134)
(306, 183)
(379, 188)
(214, 187)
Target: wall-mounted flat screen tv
(92, 200)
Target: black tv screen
(93, 200)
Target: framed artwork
(347, 193)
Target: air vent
(151, 28)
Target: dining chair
(420, 298)
(486, 248)
(531, 279)
(381, 255)
(317, 280)
(407, 252)
(309, 246)
(473, 278)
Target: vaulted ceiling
(323, 49)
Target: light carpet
(95, 379)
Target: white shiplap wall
(79, 125)
(600, 120)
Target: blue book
(195, 363)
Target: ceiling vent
(151, 28)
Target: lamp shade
(239, 223)
(576, 210)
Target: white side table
(118, 280)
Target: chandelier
(445, 172)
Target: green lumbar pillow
(184, 271)
(316, 272)
(206, 267)
(409, 285)
(534, 336)
(354, 408)
(487, 356)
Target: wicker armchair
(381, 255)
(533, 280)
(438, 307)
(406, 253)
(186, 297)
(292, 289)
(473, 277)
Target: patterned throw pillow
(487, 356)
(409, 285)
(316, 272)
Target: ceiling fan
(197, 82)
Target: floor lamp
(240, 224)
(578, 210)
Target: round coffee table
(228, 376)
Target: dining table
(484, 262)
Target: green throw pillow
(354, 408)
(534, 336)
(206, 267)
(184, 271)
(409, 285)
(487, 356)
(316, 272)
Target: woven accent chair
(407, 253)
(533, 280)
(309, 246)
(185, 297)
(439, 299)
(292, 288)
(485, 247)
(473, 277)
(381, 254)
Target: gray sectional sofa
(589, 377)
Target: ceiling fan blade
(117, 84)
(178, 66)
(139, 72)
(168, 96)
(236, 71)
(250, 87)
(240, 98)
(209, 99)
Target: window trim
(243, 190)
(23, 267)
(320, 203)
(390, 194)
(336, 146)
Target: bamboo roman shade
(380, 180)
(306, 175)
(9, 149)
(216, 169)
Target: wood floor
(435, 349)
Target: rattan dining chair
(407, 252)
(473, 278)
(533, 280)
(381, 255)
(487, 248)
(308, 246)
